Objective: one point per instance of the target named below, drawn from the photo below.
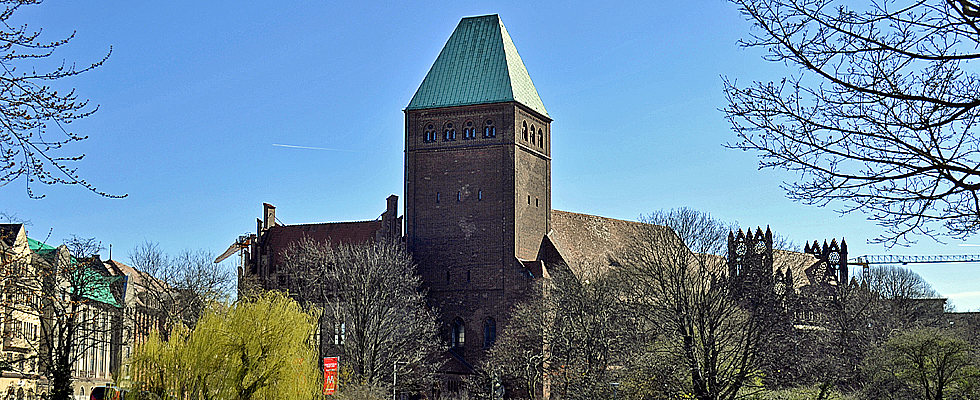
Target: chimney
(268, 215)
(389, 220)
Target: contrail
(311, 148)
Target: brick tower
(477, 183)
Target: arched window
(541, 138)
(489, 332)
(430, 134)
(459, 333)
(469, 131)
(449, 133)
(532, 134)
(489, 130)
(524, 131)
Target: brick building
(478, 218)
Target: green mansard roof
(478, 65)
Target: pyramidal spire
(478, 65)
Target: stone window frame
(458, 332)
(489, 332)
(449, 132)
(469, 130)
(489, 130)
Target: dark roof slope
(279, 237)
(589, 241)
(8, 233)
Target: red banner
(330, 367)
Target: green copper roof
(87, 282)
(478, 65)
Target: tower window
(437, 197)
(532, 135)
(541, 138)
(430, 134)
(469, 132)
(467, 276)
(479, 194)
(524, 131)
(447, 276)
(535, 201)
(459, 196)
(528, 199)
(459, 333)
(489, 332)
(489, 130)
(449, 133)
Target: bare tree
(81, 247)
(880, 116)
(575, 329)
(177, 289)
(910, 299)
(73, 301)
(681, 289)
(35, 115)
(375, 316)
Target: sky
(209, 109)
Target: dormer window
(489, 130)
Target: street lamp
(394, 379)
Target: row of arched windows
(448, 134)
(533, 136)
(458, 339)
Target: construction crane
(239, 247)
(866, 261)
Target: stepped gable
(478, 65)
(588, 240)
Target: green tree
(931, 364)
(258, 348)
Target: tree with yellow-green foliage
(258, 348)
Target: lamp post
(394, 379)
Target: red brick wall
(475, 239)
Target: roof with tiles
(478, 65)
(280, 237)
(589, 241)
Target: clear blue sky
(197, 94)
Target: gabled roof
(8, 233)
(478, 65)
(280, 237)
